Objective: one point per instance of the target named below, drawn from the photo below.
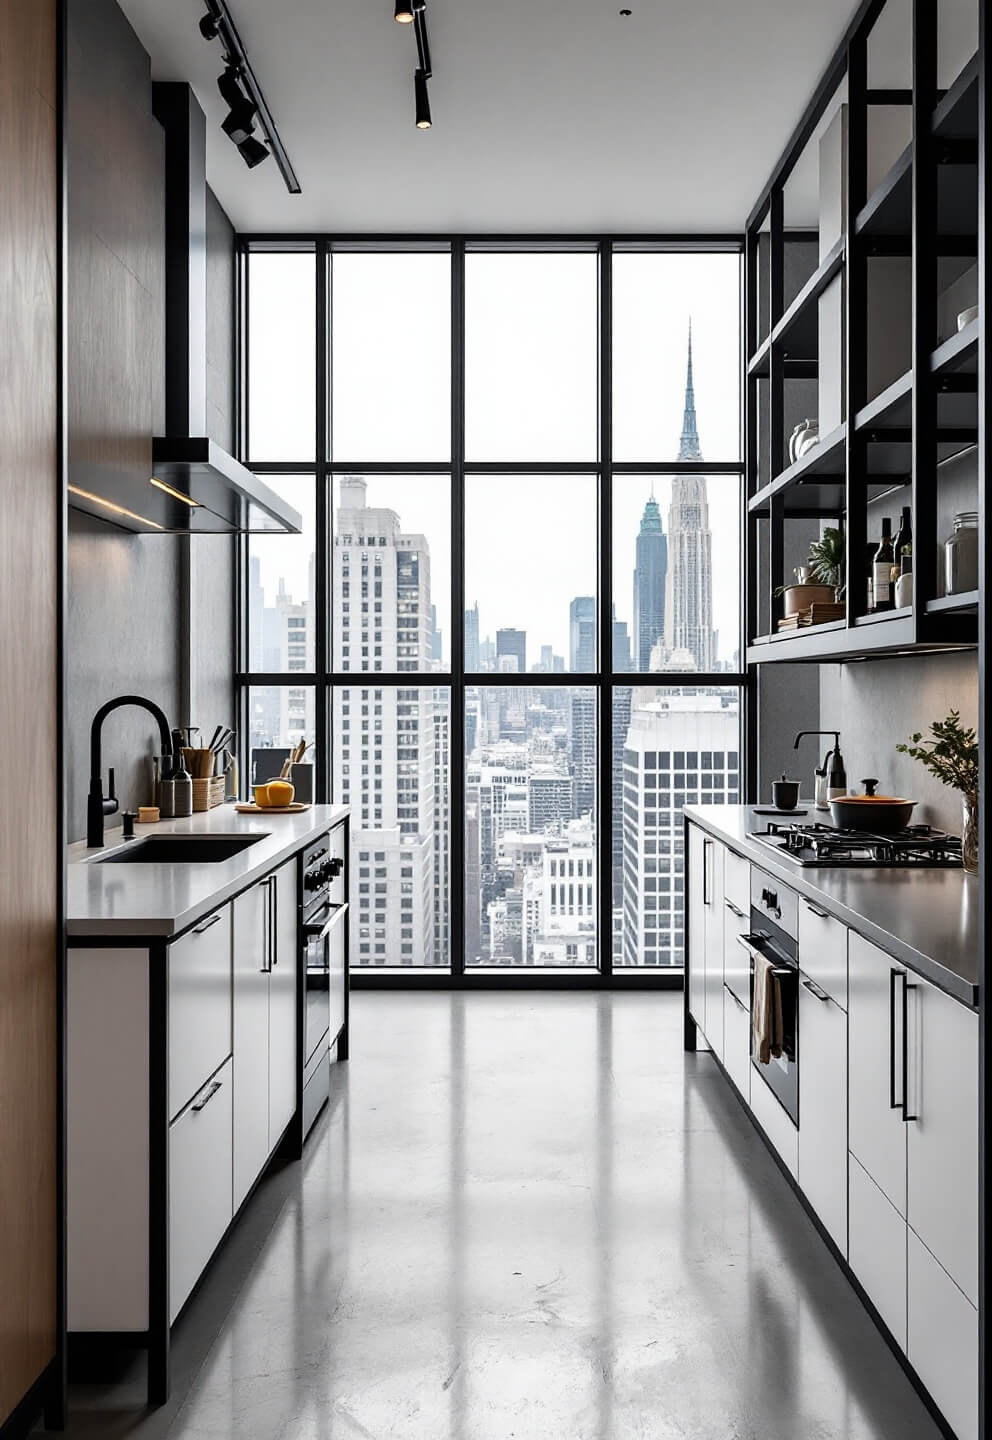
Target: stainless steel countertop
(926, 919)
(113, 901)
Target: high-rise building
(442, 826)
(650, 573)
(436, 638)
(385, 746)
(621, 645)
(621, 723)
(689, 599)
(682, 748)
(550, 799)
(582, 634)
(472, 657)
(583, 751)
(511, 643)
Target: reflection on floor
(523, 1216)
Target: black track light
(403, 14)
(423, 101)
(419, 5)
(240, 124)
(253, 152)
(210, 27)
(229, 85)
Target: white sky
(531, 394)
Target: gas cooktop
(916, 845)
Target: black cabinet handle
(895, 1104)
(820, 914)
(206, 924)
(706, 889)
(205, 1096)
(733, 909)
(736, 999)
(815, 990)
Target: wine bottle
(882, 569)
(903, 538)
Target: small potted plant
(952, 756)
(821, 580)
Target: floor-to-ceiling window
(511, 628)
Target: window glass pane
(281, 586)
(391, 322)
(392, 766)
(279, 716)
(281, 356)
(676, 572)
(391, 572)
(530, 573)
(530, 826)
(670, 748)
(531, 357)
(665, 407)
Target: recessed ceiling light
(625, 13)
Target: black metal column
(605, 799)
(456, 709)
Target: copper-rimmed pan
(878, 814)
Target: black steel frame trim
(159, 1327)
(984, 691)
(518, 978)
(234, 46)
(631, 241)
(455, 469)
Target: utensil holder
(208, 793)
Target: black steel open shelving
(925, 208)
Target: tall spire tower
(689, 602)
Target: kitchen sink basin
(180, 850)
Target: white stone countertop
(155, 900)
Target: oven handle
(324, 922)
(755, 945)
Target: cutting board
(293, 809)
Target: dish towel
(766, 1011)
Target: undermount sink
(180, 850)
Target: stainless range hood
(195, 486)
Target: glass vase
(969, 833)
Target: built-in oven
(323, 940)
(774, 936)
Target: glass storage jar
(961, 554)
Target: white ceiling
(549, 115)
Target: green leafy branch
(951, 755)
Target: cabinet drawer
(877, 1249)
(775, 1122)
(736, 959)
(737, 882)
(737, 1042)
(943, 1340)
(200, 1160)
(823, 1110)
(199, 1005)
(823, 950)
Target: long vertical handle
(894, 1104)
(266, 888)
(905, 1051)
(707, 844)
(273, 920)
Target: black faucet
(97, 805)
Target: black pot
(876, 814)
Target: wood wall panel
(30, 506)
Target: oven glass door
(325, 976)
(781, 1074)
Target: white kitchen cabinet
(713, 908)
(283, 982)
(737, 882)
(737, 1042)
(942, 1131)
(200, 1204)
(823, 950)
(199, 1005)
(823, 1107)
(252, 961)
(775, 1122)
(696, 911)
(875, 1080)
(942, 1343)
(877, 1248)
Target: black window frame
(603, 679)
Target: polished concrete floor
(523, 1218)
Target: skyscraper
(582, 634)
(583, 749)
(621, 645)
(472, 639)
(386, 748)
(689, 598)
(512, 643)
(650, 572)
